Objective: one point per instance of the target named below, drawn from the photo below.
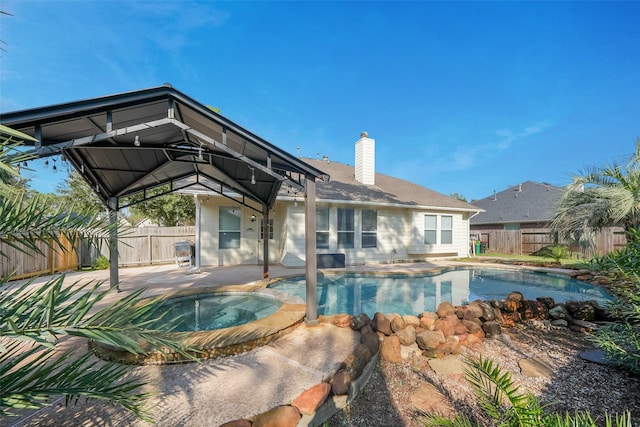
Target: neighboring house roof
(390, 191)
(527, 202)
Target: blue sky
(461, 97)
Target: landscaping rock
(407, 335)
(532, 367)
(448, 365)
(445, 309)
(371, 341)
(534, 310)
(447, 325)
(558, 312)
(310, 400)
(492, 329)
(473, 311)
(547, 301)
(429, 340)
(428, 320)
(381, 323)
(427, 398)
(360, 321)
(237, 423)
(398, 323)
(390, 349)
(280, 416)
(341, 383)
(411, 320)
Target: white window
(430, 229)
(346, 231)
(446, 231)
(369, 228)
(322, 227)
(229, 227)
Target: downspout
(469, 254)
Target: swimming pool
(207, 312)
(356, 293)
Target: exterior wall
(460, 235)
(399, 236)
(251, 246)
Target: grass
(565, 262)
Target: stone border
(318, 403)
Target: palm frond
(499, 396)
(28, 386)
(41, 314)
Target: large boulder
(407, 335)
(311, 399)
(381, 323)
(447, 325)
(429, 340)
(390, 350)
(428, 320)
(445, 309)
(280, 416)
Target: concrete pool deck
(216, 391)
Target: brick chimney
(366, 159)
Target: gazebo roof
(158, 140)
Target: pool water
(355, 293)
(205, 312)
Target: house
(361, 216)
(516, 220)
(527, 205)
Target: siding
(460, 236)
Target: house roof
(158, 139)
(390, 191)
(527, 202)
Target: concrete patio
(214, 391)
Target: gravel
(576, 384)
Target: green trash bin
(478, 247)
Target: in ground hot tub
(216, 322)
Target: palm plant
(503, 402)
(603, 196)
(34, 318)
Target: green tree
(458, 196)
(34, 318)
(75, 191)
(602, 196)
(169, 210)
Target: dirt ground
(576, 384)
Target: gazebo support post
(310, 251)
(112, 206)
(265, 241)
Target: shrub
(557, 252)
(621, 341)
(100, 263)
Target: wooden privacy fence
(528, 241)
(138, 246)
(52, 259)
(150, 245)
